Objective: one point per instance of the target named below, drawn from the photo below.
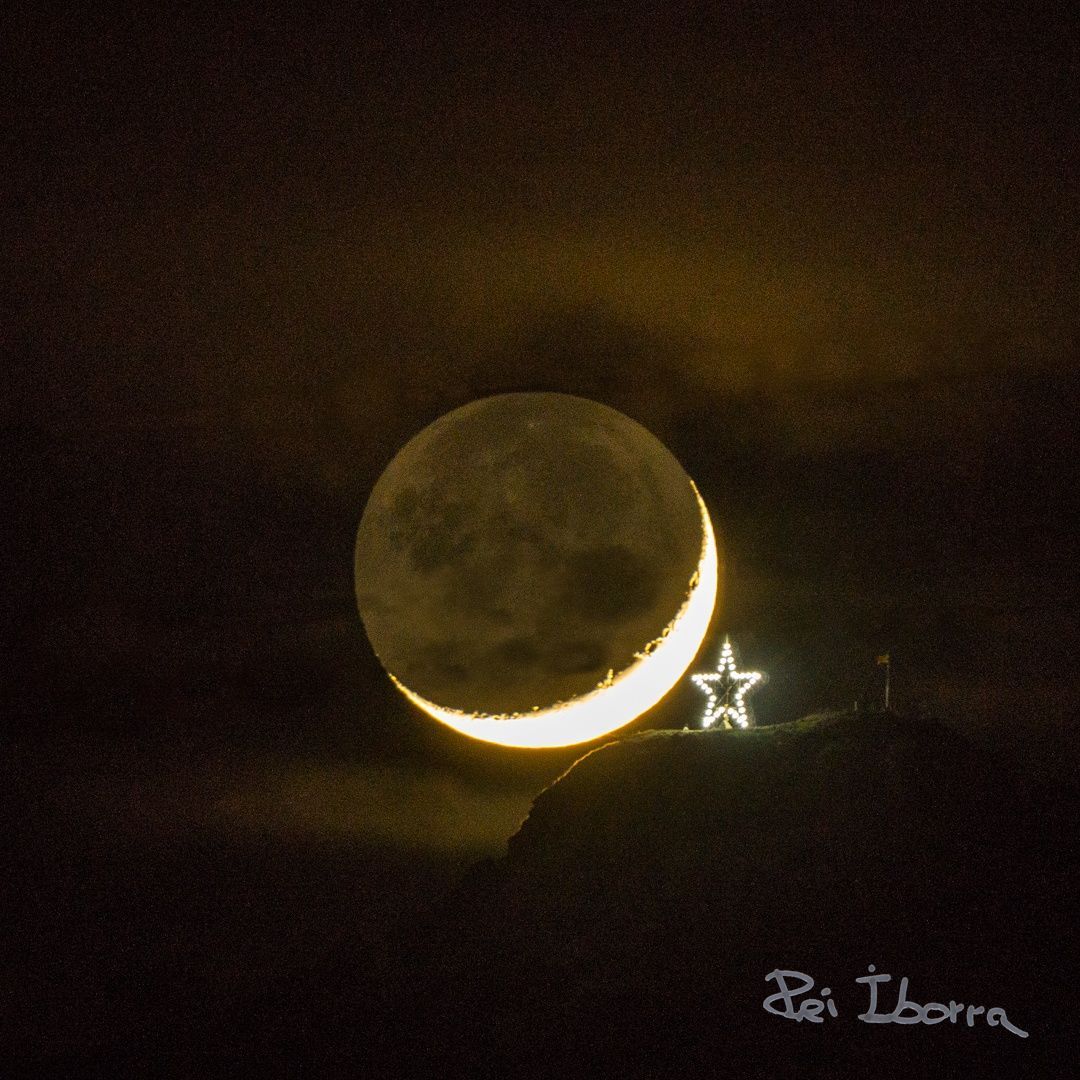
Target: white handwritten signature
(905, 1011)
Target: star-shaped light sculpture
(727, 689)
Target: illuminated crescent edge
(619, 699)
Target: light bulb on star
(726, 689)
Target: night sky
(830, 259)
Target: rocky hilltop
(631, 926)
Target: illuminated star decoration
(726, 689)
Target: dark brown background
(829, 258)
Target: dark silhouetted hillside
(629, 929)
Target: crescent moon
(625, 697)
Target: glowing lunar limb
(617, 701)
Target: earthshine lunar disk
(535, 570)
